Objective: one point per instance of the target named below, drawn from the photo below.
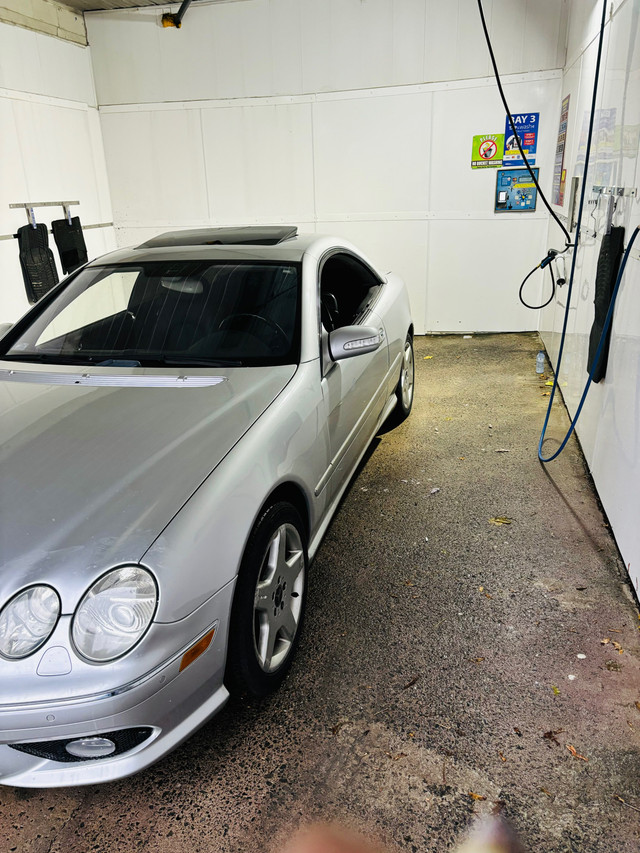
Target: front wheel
(404, 390)
(269, 602)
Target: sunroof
(266, 235)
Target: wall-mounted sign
(606, 142)
(487, 150)
(515, 191)
(559, 173)
(527, 126)
(563, 183)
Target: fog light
(91, 747)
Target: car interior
(245, 312)
(347, 289)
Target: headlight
(114, 614)
(26, 622)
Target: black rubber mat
(70, 242)
(607, 271)
(36, 260)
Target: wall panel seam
(347, 94)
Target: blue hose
(594, 366)
(563, 336)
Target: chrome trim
(117, 691)
(122, 380)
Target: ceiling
(99, 5)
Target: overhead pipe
(170, 20)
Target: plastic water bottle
(540, 362)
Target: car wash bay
(449, 666)
(471, 642)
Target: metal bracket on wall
(612, 195)
(29, 205)
(620, 192)
(65, 205)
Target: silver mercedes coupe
(178, 424)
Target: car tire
(269, 603)
(406, 383)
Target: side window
(347, 286)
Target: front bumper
(169, 703)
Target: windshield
(168, 313)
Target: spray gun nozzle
(551, 254)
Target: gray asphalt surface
(438, 676)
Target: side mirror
(348, 341)
(4, 328)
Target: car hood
(90, 473)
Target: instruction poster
(606, 145)
(559, 174)
(527, 126)
(487, 150)
(515, 191)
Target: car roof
(269, 243)
(247, 235)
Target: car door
(354, 389)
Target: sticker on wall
(559, 172)
(527, 126)
(563, 183)
(515, 191)
(606, 139)
(487, 150)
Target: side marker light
(196, 650)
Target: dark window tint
(169, 313)
(347, 288)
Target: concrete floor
(434, 680)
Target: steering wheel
(228, 322)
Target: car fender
(201, 548)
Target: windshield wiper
(45, 358)
(186, 360)
(27, 356)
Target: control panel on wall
(515, 191)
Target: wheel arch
(292, 493)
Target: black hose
(553, 289)
(565, 321)
(513, 128)
(544, 262)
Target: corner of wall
(45, 16)
(563, 35)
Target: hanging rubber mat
(608, 264)
(70, 243)
(36, 259)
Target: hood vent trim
(111, 380)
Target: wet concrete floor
(449, 666)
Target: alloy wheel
(278, 598)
